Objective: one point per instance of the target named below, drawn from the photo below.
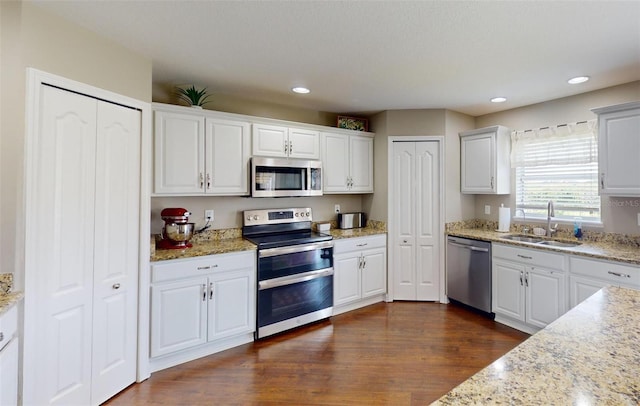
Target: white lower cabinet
(529, 288)
(360, 266)
(587, 276)
(9, 358)
(201, 306)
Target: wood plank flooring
(400, 353)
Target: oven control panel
(276, 216)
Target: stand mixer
(177, 230)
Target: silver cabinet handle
(364, 262)
(1, 336)
(492, 182)
(116, 286)
(621, 275)
(286, 147)
(521, 284)
(204, 292)
(290, 147)
(524, 256)
(201, 180)
(201, 268)
(365, 244)
(208, 181)
(602, 180)
(210, 290)
(526, 279)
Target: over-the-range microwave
(282, 177)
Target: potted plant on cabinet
(192, 96)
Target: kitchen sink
(560, 244)
(522, 238)
(541, 241)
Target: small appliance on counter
(352, 220)
(177, 230)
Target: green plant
(192, 96)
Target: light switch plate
(487, 209)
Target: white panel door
(361, 163)
(231, 304)
(117, 202)
(270, 140)
(227, 157)
(65, 177)
(9, 373)
(477, 152)
(545, 296)
(179, 153)
(404, 240)
(335, 162)
(426, 207)
(581, 288)
(346, 284)
(374, 275)
(416, 185)
(508, 289)
(304, 144)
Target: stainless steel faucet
(550, 214)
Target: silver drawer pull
(524, 256)
(621, 275)
(365, 244)
(116, 286)
(202, 268)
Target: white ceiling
(366, 56)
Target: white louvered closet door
(85, 253)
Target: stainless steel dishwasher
(469, 272)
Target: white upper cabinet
(619, 149)
(198, 153)
(281, 141)
(485, 161)
(347, 163)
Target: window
(560, 164)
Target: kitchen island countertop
(589, 356)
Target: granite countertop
(202, 248)
(589, 356)
(607, 250)
(355, 232)
(8, 300)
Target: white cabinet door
(335, 162)
(508, 289)
(179, 315)
(484, 161)
(227, 157)
(374, 275)
(346, 278)
(619, 149)
(231, 307)
(581, 288)
(546, 298)
(9, 374)
(304, 144)
(270, 140)
(361, 163)
(179, 153)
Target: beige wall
(458, 206)
(619, 215)
(34, 38)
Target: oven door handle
(297, 278)
(272, 252)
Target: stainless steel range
(295, 269)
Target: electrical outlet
(487, 209)
(208, 215)
(336, 208)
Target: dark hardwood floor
(400, 353)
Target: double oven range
(295, 269)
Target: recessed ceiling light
(301, 90)
(578, 79)
(498, 100)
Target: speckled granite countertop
(8, 300)
(230, 240)
(589, 356)
(607, 250)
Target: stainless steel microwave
(281, 177)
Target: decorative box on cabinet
(347, 163)
(529, 289)
(587, 276)
(200, 153)
(9, 357)
(281, 141)
(485, 161)
(360, 272)
(201, 306)
(619, 149)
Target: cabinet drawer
(528, 256)
(359, 243)
(615, 273)
(183, 268)
(8, 325)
